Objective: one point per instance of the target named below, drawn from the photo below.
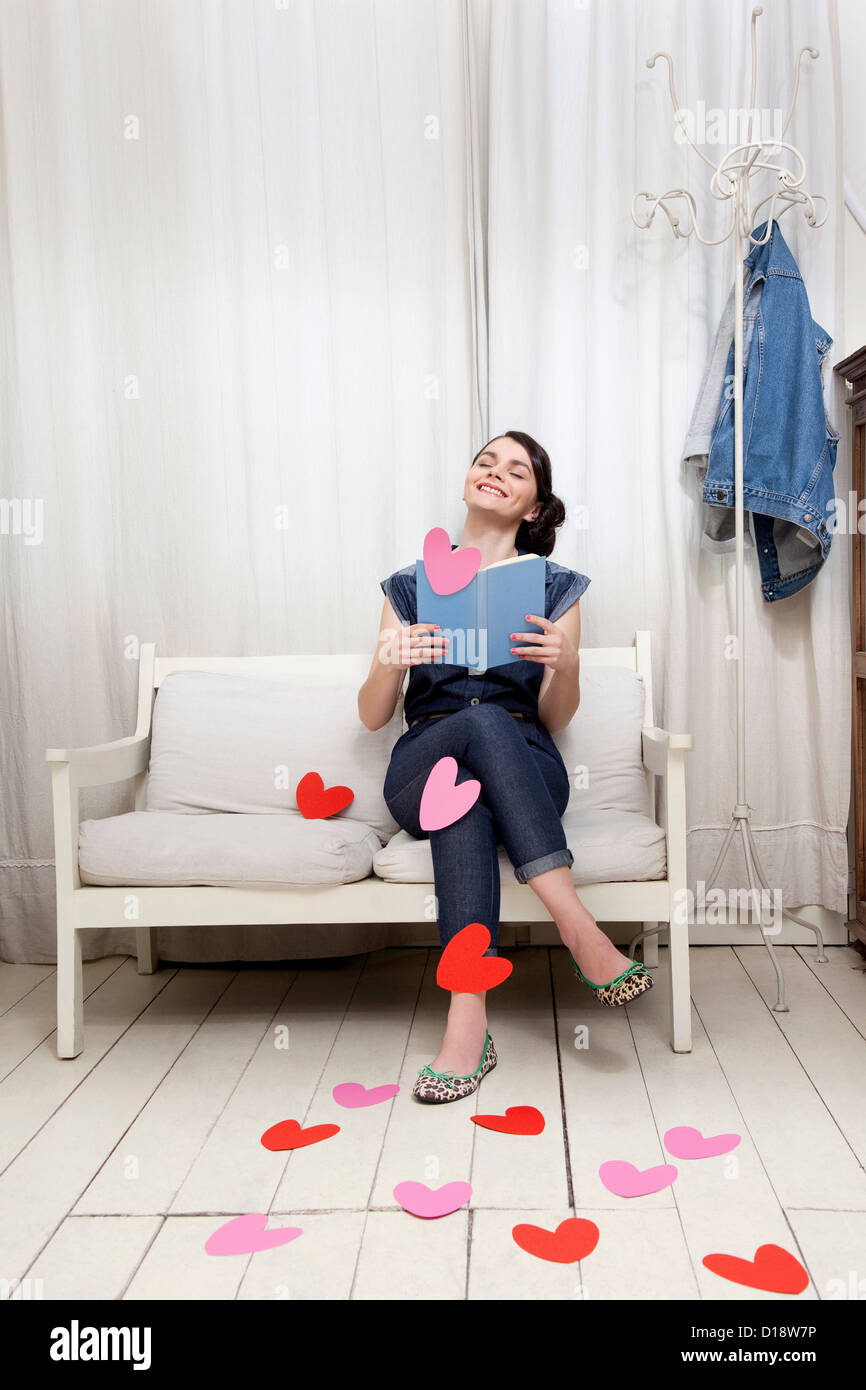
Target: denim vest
(440, 688)
(789, 445)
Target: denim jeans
(524, 792)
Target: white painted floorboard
(117, 1165)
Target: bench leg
(650, 945)
(680, 988)
(70, 992)
(145, 949)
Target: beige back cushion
(601, 747)
(226, 742)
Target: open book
(480, 618)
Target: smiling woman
(497, 726)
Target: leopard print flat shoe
(634, 981)
(438, 1086)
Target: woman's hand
(411, 646)
(552, 647)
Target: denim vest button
(475, 700)
(807, 516)
(720, 494)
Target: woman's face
(502, 481)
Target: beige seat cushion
(608, 847)
(171, 849)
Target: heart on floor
(573, 1239)
(464, 967)
(448, 570)
(316, 801)
(518, 1119)
(443, 800)
(625, 1180)
(683, 1141)
(246, 1234)
(774, 1270)
(420, 1200)
(352, 1095)
(290, 1134)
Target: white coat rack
(731, 182)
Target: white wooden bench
(658, 904)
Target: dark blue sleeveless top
(440, 688)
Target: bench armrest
(104, 762)
(656, 744)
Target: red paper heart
(464, 967)
(572, 1240)
(518, 1119)
(774, 1270)
(316, 801)
(289, 1134)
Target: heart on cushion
(442, 801)
(464, 967)
(316, 801)
(518, 1119)
(573, 1239)
(246, 1234)
(774, 1270)
(289, 1134)
(448, 570)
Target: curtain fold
(273, 274)
(599, 335)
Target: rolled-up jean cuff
(540, 866)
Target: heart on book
(448, 570)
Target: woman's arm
(394, 655)
(557, 648)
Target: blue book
(480, 618)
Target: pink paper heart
(448, 570)
(627, 1181)
(420, 1200)
(442, 801)
(244, 1234)
(352, 1095)
(683, 1141)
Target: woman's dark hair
(539, 536)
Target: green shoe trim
(444, 1075)
(636, 968)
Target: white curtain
(269, 263)
(599, 334)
